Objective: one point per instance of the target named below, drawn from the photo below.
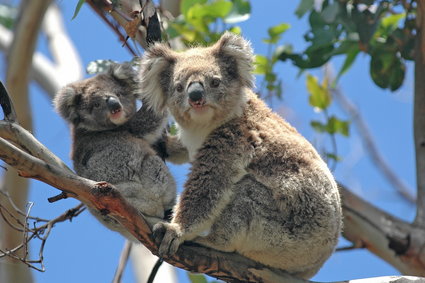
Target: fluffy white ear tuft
(239, 50)
(156, 71)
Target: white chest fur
(193, 138)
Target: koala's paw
(168, 236)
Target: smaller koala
(112, 142)
(256, 186)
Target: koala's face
(200, 85)
(102, 102)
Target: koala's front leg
(219, 164)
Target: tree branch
(371, 147)
(419, 112)
(399, 243)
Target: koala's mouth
(116, 113)
(197, 105)
(117, 117)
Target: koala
(114, 143)
(255, 186)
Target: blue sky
(85, 251)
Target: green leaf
(261, 64)
(387, 70)
(303, 7)
(236, 30)
(197, 278)
(338, 126)
(333, 156)
(241, 11)
(98, 66)
(77, 8)
(318, 126)
(185, 5)
(219, 9)
(319, 94)
(330, 13)
(392, 21)
(276, 32)
(348, 62)
(332, 126)
(278, 29)
(8, 15)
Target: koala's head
(102, 102)
(201, 85)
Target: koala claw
(168, 236)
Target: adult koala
(256, 186)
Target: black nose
(195, 91)
(113, 104)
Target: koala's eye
(179, 87)
(215, 82)
(96, 105)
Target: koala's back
(105, 155)
(130, 163)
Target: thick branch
(419, 112)
(399, 243)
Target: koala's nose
(113, 104)
(195, 91)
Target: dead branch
(31, 233)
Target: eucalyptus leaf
(241, 11)
(197, 278)
(78, 8)
(304, 7)
(319, 95)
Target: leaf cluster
(382, 29)
(203, 21)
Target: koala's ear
(66, 103)
(156, 71)
(125, 74)
(237, 55)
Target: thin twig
(41, 232)
(371, 147)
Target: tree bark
(419, 112)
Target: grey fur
(256, 186)
(117, 148)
